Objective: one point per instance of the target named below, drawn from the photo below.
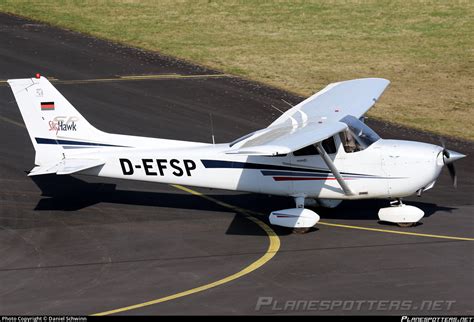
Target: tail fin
(52, 122)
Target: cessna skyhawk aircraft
(319, 152)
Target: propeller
(449, 157)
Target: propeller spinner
(449, 157)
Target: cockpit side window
(358, 135)
(348, 142)
(327, 144)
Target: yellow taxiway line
(138, 78)
(395, 231)
(130, 78)
(273, 247)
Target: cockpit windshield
(358, 136)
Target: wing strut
(333, 169)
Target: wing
(353, 97)
(313, 120)
(277, 140)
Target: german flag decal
(47, 106)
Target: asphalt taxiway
(82, 245)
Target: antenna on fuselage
(212, 128)
(288, 103)
(276, 108)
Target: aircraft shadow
(67, 193)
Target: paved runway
(82, 245)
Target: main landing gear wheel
(406, 224)
(299, 219)
(301, 231)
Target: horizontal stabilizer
(44, 169)
(67, 166)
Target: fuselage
(385, 169)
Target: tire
(301, 230)
(406, 224)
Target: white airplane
(319, 152)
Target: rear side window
(328, 145)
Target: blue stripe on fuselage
(259, 166)
(69, 142)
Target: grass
(424, 47)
